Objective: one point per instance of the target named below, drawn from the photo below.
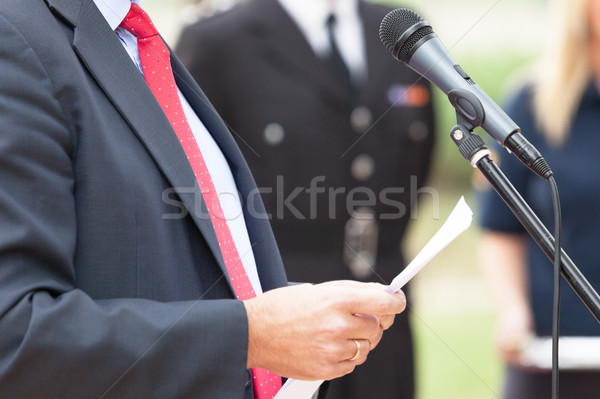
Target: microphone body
(432, 60)
(411, 40)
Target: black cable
(556, 299)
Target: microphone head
(404, 24)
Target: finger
(340, 369)
(364, 326)
(358, 350)
(376, 302)
(386, 321)
(355, 284)
(375, 341)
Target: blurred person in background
(339, 137)
(559, 111)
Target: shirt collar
(345, 9)
(114, 11)
(317, 11)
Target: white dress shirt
(114, 11)
(311, 15)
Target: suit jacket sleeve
(57, 341)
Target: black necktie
(340, 67)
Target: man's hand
(312, 332)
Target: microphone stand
(474, 150)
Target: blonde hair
(564, 69)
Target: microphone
(411, 40)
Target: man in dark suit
(113, 280)
(339, 155)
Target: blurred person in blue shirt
(558, 109)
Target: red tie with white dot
(156, 66)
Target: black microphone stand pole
(474, 150)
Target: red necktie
(156, 65)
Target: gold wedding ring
(357, 350)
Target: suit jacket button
(249, 379)
(361, 119)
(418, 131)
(274, 134)
(362, 167)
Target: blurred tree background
(452, 315)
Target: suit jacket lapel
(207, 114)
(275, 37)
(109, 64)
(266, 254)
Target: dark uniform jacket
(319, 154)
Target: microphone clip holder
(470, 145)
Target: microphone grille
(394, 24)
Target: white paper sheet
(575, 353)
(459, 220)
(298, 389)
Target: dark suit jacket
(106, 289)
(294, 123)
